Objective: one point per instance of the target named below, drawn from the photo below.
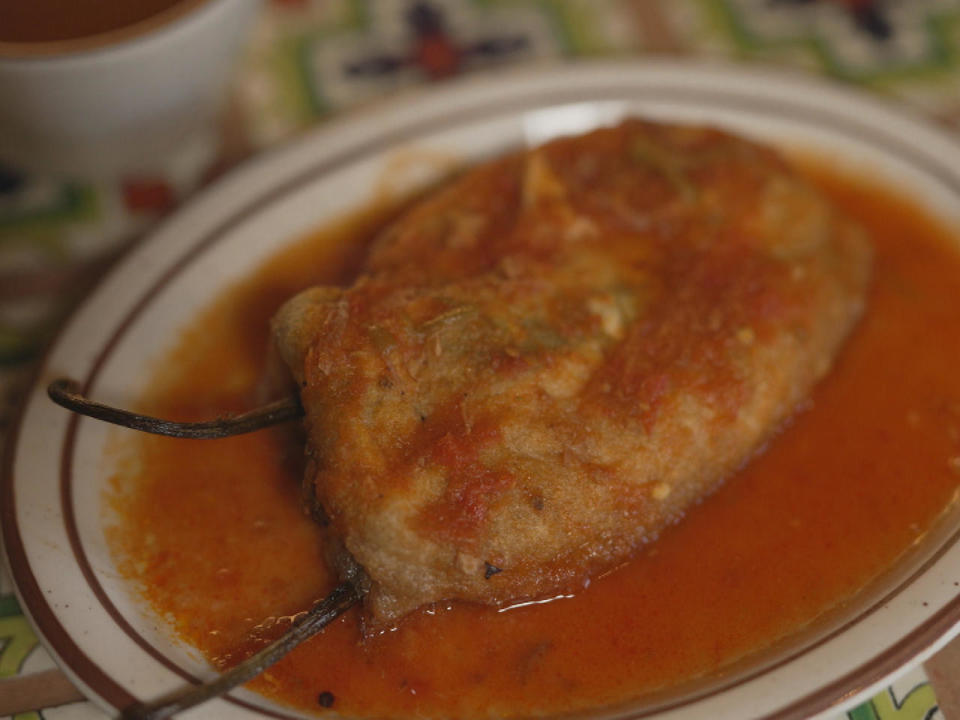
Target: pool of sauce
(213, 535)
(39, 21)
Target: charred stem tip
(67, 393)
(340, 599)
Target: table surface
(306, 60)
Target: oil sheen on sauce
(213, 532)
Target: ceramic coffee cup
(124, 100)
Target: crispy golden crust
(548, 360)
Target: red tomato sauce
(213, 533)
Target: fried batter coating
(548, 360)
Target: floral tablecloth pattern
(309, 59)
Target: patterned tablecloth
(309, 59)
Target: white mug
(124, 101)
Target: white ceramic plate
(55, 468)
